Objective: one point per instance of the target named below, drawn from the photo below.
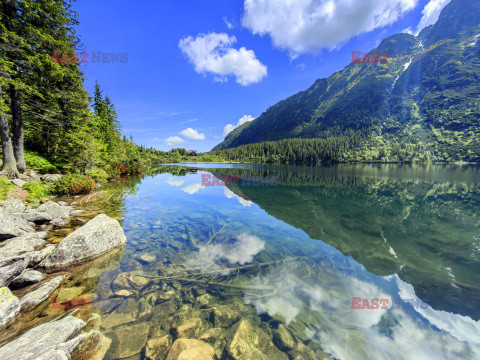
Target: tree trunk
(17, 129)
(9, 164)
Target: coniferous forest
(48, 120)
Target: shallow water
(295, 253)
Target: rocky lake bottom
(278, 271)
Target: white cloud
(172, 140)
(311, 25)
(189, 121)
(192, 134)
(193, 188)
(230, 194)
(325, 315)
(238, 251)
(228, 23)
(229, 127)
(213, 53)
(430, 13)
(173, 181)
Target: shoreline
(327, 164)
(44, 244)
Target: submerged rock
(9, 306)
(224, 316)
(158, 347)
(93, 347)
(41, 294)
(47, 341)
(191, 349)
(147, 258)
(212, 335)
(249, 342)
(92, 240)
(301, 352)
(127, 312)
(204, 300)
(131, 339)
(283, 339)
(76, 212)
(189, 329)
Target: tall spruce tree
(46, 98)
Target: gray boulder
(47, 341)
(92, 240)
(38, 217)
(50, 177)
(20, 245)
(33, 175)
(10, 272)
(31, 258)
(9, 307)
(26, 278)
(42, 234)
(77, 212)
(12, 226)
(38, 296)
(58, 222)
(12, 206)
(35, 257)
(55, 210)
(18, 182)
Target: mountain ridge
(427, 92)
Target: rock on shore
(41, 294)
(9, 307)
(92, 240)
(53, 340)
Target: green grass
(5, 188)
(38, 163)
(36, 191)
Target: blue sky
(196, 66)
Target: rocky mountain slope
(428, 92)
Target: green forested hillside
(426, 96)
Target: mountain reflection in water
(300, 251)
